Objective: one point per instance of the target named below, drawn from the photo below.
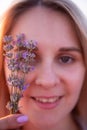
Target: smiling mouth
(47, 99)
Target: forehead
(42, 23)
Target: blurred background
(81, 3)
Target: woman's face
(56, 82)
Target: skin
(59, 68)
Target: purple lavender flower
(25, 55)
(19, 43)
(13, 65)
(24, 67)
(8, 47)
(33, 55)
(18, 55)
(20, 40)
(21, 37)
(14, 80)
(15, 97)
(8, 39)
(33, 44)
(12, 107)
(26, 44)
(25, 86)
(9, 55)
(32, 68)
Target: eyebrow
(67, 49)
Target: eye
(66, 59)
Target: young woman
(56, 97)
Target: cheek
(30, 77)
(23, 104)
(74, 83)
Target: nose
(46, 77)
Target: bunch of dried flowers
(20, 56)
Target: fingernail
(22, 119)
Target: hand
(13, 121)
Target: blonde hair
(9, 19)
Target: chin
(45, 124)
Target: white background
(81, 3)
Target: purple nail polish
(22, 119)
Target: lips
(47, 102)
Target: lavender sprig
(20, 55)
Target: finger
(13, 121)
